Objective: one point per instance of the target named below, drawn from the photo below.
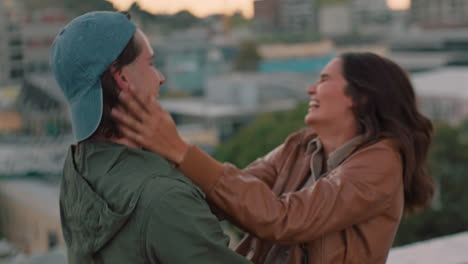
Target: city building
(43, 107)
(295, 17)
(12, 121)
(188, 58)
(11, 54)
(308, 57)
(267, 15)
(39, 29)
(231, 101)
(371, 17)
(433, 14)
(29, 215)
(299, 17)
(442, 93)
(335, 20)
(361, 18)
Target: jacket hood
(99, 192)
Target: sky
(198, 7)
(206, 7)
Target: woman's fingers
(147, 124)
(132, 135)
(127, 120)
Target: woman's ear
(120, 78)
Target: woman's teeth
(313, 104)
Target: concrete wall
(335, 20)
(29, 216)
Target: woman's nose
(311, 89)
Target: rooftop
(199, 107)
(444, 82)
(43, 155)
(450, 249)
(48, 84)
(36, 194)
(301, 50)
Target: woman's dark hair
(386, 107)
(108, 126)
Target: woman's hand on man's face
(146, 123)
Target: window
(52, 240)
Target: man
(119, 203)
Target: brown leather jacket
(349, 216)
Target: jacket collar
(315, 148)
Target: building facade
(296, 17)
(39, 30)
(433, 14)
(371, 17)
(29, 215)
(188, 58)
(11, 54)
(299, 16)
(267, 14)
(43, 107)
(449, 104)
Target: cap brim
(86, 112)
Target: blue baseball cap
(80, 54)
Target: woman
(331, 193)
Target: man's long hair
(108, 127)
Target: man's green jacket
(125, 205)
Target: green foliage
(238, 20)
(262, 136)
(248, 57)
(184, 19)
(448, 164)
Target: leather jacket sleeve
(265, 168)
(362, 187)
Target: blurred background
(236, 77)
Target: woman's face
(328, 102)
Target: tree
(184, 19)
(237, 19)
(263, 135)
(448, 164)
(248, 58)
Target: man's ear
(120, 78)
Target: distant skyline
(207, 7)
(199, 7)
